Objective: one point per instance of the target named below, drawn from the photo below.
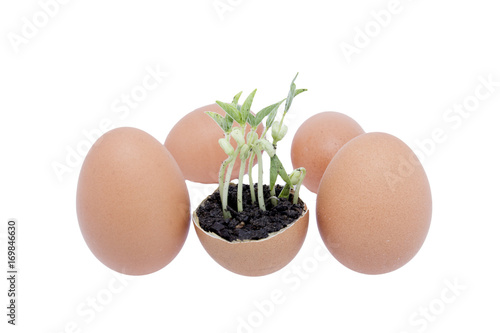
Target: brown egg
(193, 142)
(374, 204)
(256, 257)
(316, 142)
(132, 202)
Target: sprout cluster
(252, 145)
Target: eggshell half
(132, 202)
(374, 204)
(316, 142)
(256, 257)
(194, 143)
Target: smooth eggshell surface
(374, 204)
(260, 257)
(132, 202)
(194, 143)
(316, 142)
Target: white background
(65, 78)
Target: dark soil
(252, 223)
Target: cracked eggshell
(256, 257)
(374, 204)
(132, 202)
(316, 142)
(194, 143)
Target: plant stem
(222, 172)
(264, 133)
(281, 123)
(274, 201)
(229, 171)
(262, 204)
(250, 177)
(297, 188)
(240, 185)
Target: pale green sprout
(296, 178)
(277, 133)
(226, 146)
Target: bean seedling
(252, 145)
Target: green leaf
(245, 108)
(220, 120)
(285, 192)
(231, 110)
(276, 163)
(282, 171)
(272, 114)
(299, 91)
(252, 121)
(236, 98)
(228, 123)
(266, 111)
(291, 95)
